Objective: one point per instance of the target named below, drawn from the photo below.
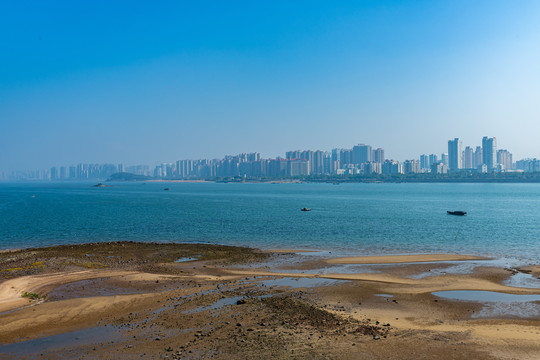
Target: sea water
(503, 220)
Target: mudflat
(128, 300)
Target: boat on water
(305, 209)
(458, 212)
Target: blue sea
(503, 220)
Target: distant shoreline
(529, 178)
(345, 181)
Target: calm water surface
(503, 219)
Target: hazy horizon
(144, 83)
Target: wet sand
(133, 301)
(398, 259)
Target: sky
(143, 82)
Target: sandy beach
(177, 301)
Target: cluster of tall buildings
(484, 158)
(74, 172)
(361, 159)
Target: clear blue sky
(149, 82)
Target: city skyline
(190, 80)
(360, 159)
(441, 149)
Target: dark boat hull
(458, 213)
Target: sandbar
(400, 259)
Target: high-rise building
(411, 166)
(468, 155)
(336, 154)
(361, 154)
(504, 158)
(277, 167)
(54, 173)
(185, 168)
(346, 157)
(307, 155)
(298, 167)
(528, 165)
(335, 161)
(317, 162)
(432, 159)
(372, 168)
(489, 152)
(439, 168)
(392, 167)
(293, 154)
(254, 156)
(63, 173)
(378, 155)
(454, 155)
(477, 158)
(424, 162)
(328, 165)
(444, 159)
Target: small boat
(305, 209)
(166, 189)
(459, 213)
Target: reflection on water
(497, 304)
(520, 279)
(71, 339)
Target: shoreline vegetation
(127, 299)
(456, 177)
